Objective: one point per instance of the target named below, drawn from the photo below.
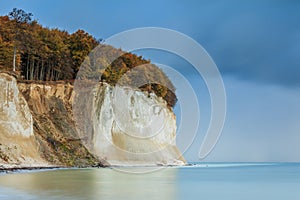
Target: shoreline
(23, 169)
(12, 169)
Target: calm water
(209, 181)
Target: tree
(51, 54)
(19, 16)
(6, 46)
(81, 44)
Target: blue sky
(255, 44)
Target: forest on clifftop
(39, 53)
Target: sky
(255, 44)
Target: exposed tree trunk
(14, 60)
(51, 76)
(42, 71)
(27, 68)
(57, 75)
(32, 69)
(36, 72)
(48, 72)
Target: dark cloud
(254, 40)
(257, 40)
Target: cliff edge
(52, 124)
(18, 145)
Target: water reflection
(214, 181)
(93, 184)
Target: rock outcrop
(124, 126)
(17, 141)
(55, 124)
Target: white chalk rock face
(127, 127)
(15, 116)
(18, 147)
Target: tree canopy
(45, 54)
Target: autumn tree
(42, 54)
(19, 17)
(80, 44)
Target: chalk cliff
(125, 126)
(17, 141)
(55, 124)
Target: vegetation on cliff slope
(42, 54)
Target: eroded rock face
(54, 128)
(127, 127)
(56, 124)
(15, 118)
(17, 141)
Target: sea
(206, 181)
